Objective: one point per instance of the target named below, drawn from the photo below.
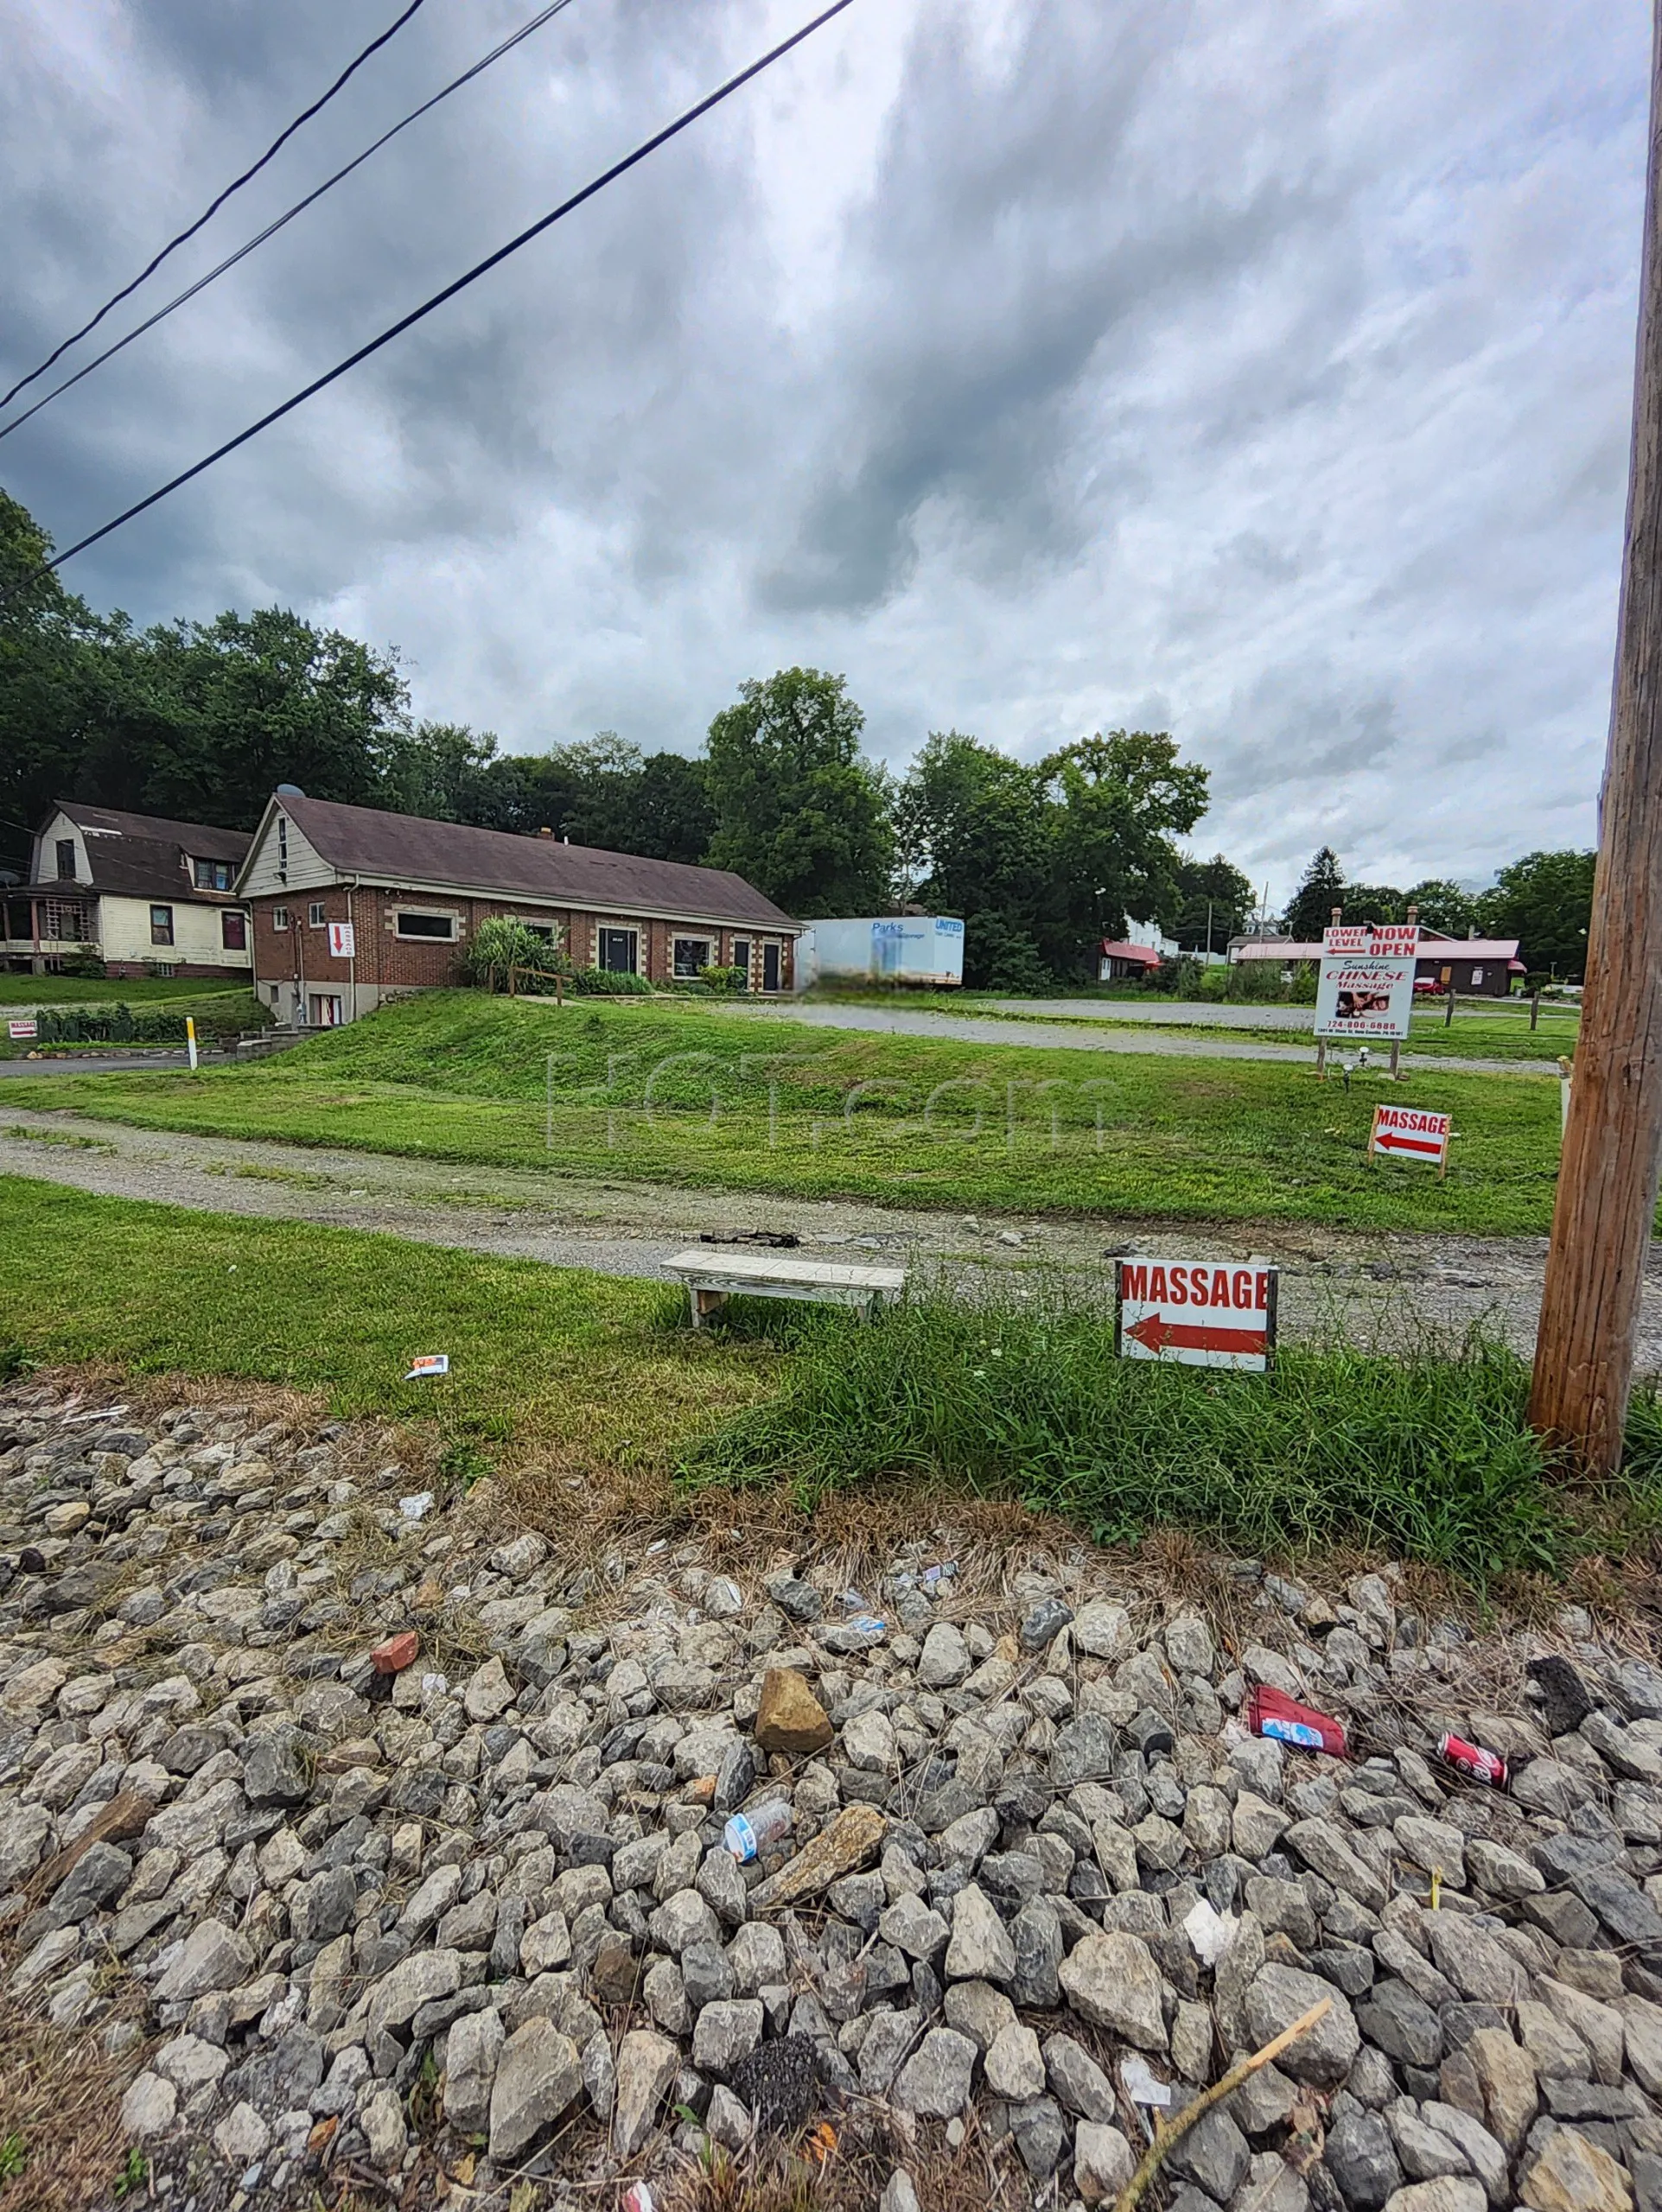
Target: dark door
(617, 954)
(742, 961)
(770, 967)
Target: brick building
(411, 893)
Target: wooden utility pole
(1612, 1143)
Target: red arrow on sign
(1394, 1140)
(1158, 1335)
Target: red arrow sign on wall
(1158, 1336)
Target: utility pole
(1588, 1330)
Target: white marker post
(190, 1040)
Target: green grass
(87, 990)
(1424, 1454)
(590, 1366)
(460, 1077)
(1424, 1457)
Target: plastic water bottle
(747, 1836)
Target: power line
(236, 184)
(461, 283)
(271, 229)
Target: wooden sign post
(1588, 1330)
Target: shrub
(608, 982)
(86, 960)
(505, 955)
(725, 981)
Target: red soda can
(1487, 1767)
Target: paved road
(1094, 1037)
(1367, 1284)
(86, 1063)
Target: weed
(461, 1463)
(11, 2155)
(135, 2173)
(56, 1136)
(14, 1360)
(1422, 1450)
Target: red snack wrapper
(1273, 1713)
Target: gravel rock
(1112, 1980)
(538, 2079)
(935, 2081)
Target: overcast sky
(1257, 372)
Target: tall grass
(1422, 1451)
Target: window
(441, 927)
(212, 875)
(742, 959)
(618, 951)
(690, 955)
(283, 847)
(233, 932)
(317, 914)
(279, 918)
(323, 1010)
(161, 926)
(66, 860)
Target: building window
(691, 954)
(161, 926)
(66, 860)
(618, 951)
(212, 875)
(439, 926)
(279, 918)
(233, 932)
(283, 847)
(323, 1010)
(742, 961)
(317, 913)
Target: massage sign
(1198, 1313)
(1366, 989)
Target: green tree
(1120, 802)
(1320, 888)
(1211, 903)
(1374, 902)
(54, 681)
(974, 828)
(1545, 900)
(1443, 906)
(798, 811)
(442, 770)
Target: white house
(150, 897)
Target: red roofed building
(1471, 966)
(1123, 963)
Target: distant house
(1469, 966)
(1120, 960)
(352, 906)
(149, 896)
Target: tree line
(1042, 860)
(1544, 899)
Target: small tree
(505, 955)
(1320, 889)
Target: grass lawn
(88, 990)
(591, 1391)
(720, 1099)
(587, 1367)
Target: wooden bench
(712, 1278)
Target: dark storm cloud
(1036, 363)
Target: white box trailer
(923, 948)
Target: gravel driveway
(1361, 1280)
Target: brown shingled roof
(406, 849)
(145, 855)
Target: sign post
(1196, 1313)
(190, 1041)
(1405, 1132)
(23, 1028)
